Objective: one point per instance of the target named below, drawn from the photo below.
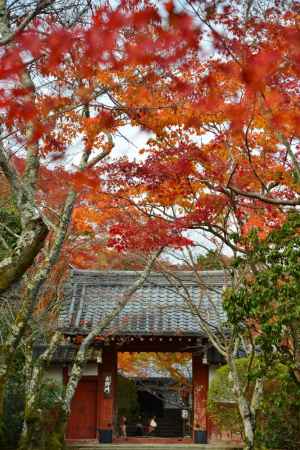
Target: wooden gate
(83, 418)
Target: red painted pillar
(200, 392)
(107, 374)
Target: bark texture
(41, 431)
(30, 295)
(34, 230)
(28, 246)
(247, 408)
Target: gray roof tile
(157, 308)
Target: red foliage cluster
(146, 237)
(224, 156)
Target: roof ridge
(135, 272)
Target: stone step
(153, 447)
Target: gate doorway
(152, 391)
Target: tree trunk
(32, 288)
(34, 230)
(41, 431)
(28, 246)
(247, 408)
(248, 423)
(296, 336)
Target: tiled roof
(157, 308)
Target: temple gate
(157, 319)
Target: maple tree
(268, 299)
(48, 120)
(224, 157)
(225, 160)
(60, 75)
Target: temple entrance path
(153, 446)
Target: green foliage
(269, 299)
(127, 398)
(50, 394)
(278, 417)
(13, 416)
(222, 406)
(46, 422)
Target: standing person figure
(139, 431)
(152, 425)
(123, 427)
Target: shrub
(278, 418)
(13, 411)
(222, 406)
(46, 424)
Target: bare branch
(12, 233)
(211, 331)
(4, 243)
(42, 4)
(102, 155)
(263, 198)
